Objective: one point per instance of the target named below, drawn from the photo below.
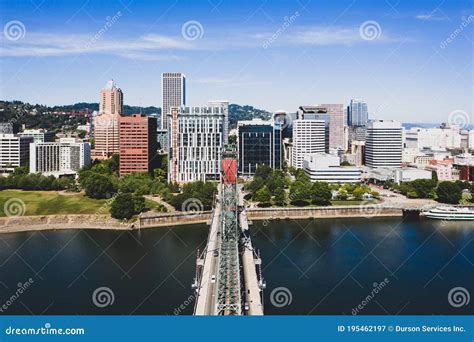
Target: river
(324, 266)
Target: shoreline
(68, 222)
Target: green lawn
(50, 203)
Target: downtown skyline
(246, 54)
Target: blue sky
(270, 54)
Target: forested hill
(40, 116)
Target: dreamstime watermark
(369, 209)
(458, 297)
(14, 207)
(284, 119)
(370, 30)
(47, 329)
(21, 288)
(109, 22)
(376, 290)
(192, 30)
(287, 21)
(103, 296)
(465, 23)
(177, 311)
(459, 118)
(14, 30)
(192, 207)
(280, 297)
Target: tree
(263, 171)
(300, 193)
(321, 193)
(346, 163)
(423, 187)
(449, 192)
(263, 196)
(122, 207)
(138, 202)
(342, 195)
(99, 186)
(358, 193)
(280, 197)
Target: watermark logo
(14, 207)
(465, 23)
(21, 288)
(284, 119)
(14, 30)
(370, 30)
(102, 297)
(280, 297)
(287, 21)
(459, 118)
(109, 22)
(377, 287)
(192, 207)
(192, 30)
(369, 210)
(458, 297)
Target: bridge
(228, 272)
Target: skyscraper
(383, 145)
(111, 99)
(173, 94)
(357, 114)
(196, 138)
(106, 123)
(333, 117)
(260, 143)
(138, 144)
(308, 138)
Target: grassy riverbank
(50, 202)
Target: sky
(411, 61)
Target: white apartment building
(195, 140)
(39, 135)
(308, 138)
(432, 138)
(65, 157)
(224, 104)
(173, 94)
(14, 152)
(383, 145)
(323, 167)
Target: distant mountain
(128, 110)
(409, 125)
(239, 113)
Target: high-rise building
(111, 99)
(106, 122)
(383, 144)
(333, 117)
(39, 135)
(14, 152)
(224, 104)
(357, 113)
(259, 143)
(173, 94)
(138, 144)
(196, 138)
(308, 138)
(64, 157)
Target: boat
(450, 213)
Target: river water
(325, 266)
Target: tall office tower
(111, 99)
(196, 138)
(357, 114)
(14, 152)
(224, 104)
(138, 144)
(173, 94)
(39, 135)
(308, 138)
(106, 123)
(333, 117)
(260, 143)
(383, 144)
(64, 157)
